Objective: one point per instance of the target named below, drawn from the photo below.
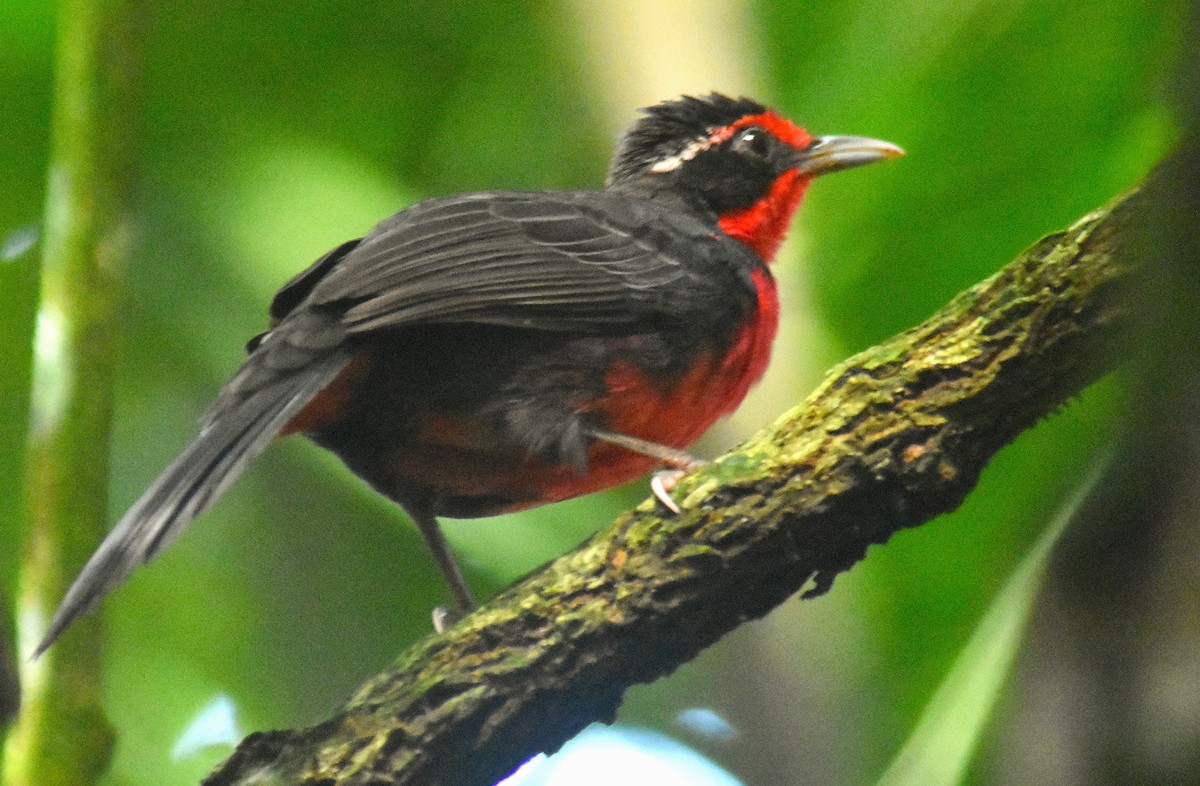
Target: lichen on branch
(893, 437)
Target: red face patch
(763, 225)
(780, 127)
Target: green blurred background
(272, 132)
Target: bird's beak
(834, 153)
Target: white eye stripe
(671, 163)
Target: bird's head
(737, 159)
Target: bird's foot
(676, 461)
(444, 619)
(662, 483)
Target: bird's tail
(236, 431)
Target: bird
(489, 352)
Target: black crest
(665, 129)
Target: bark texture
(893, 437)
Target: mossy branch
(894, 436)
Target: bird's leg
(427, 523)
(662, 482)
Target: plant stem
(62, 736)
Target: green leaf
(940, 747)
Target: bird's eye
(752, 140)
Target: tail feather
(231, 438)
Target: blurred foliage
(272, 135)
(940, 748)
(25, 65)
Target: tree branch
(894, 436)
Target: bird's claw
(444, 618)
(661, 485)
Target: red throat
(763, 224)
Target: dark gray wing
(583, 261)
(239, 431)
(571, 261)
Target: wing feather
(584, 261)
